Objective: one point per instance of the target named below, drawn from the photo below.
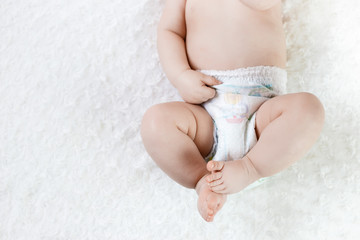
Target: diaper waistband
(262, 75)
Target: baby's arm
(171, 39)
(192, 85)
(260, 5)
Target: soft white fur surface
(76, 78)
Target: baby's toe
(216, 183)
(210, 218)
(221, 188)
(214, 176)
(215, 165)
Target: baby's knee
(153, 121)
(309, 107)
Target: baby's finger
(210, 81)
(207, 92)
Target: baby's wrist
(178, 76)
(182, 72)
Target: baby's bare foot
(209, 202)
(231, 176)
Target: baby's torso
(226, 34)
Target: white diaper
(234, 107)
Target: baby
(227, 59)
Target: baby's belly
(226, 34)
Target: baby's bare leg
(287, 126)
(178, 136)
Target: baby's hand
(194, 87)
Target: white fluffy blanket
(76, 78)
